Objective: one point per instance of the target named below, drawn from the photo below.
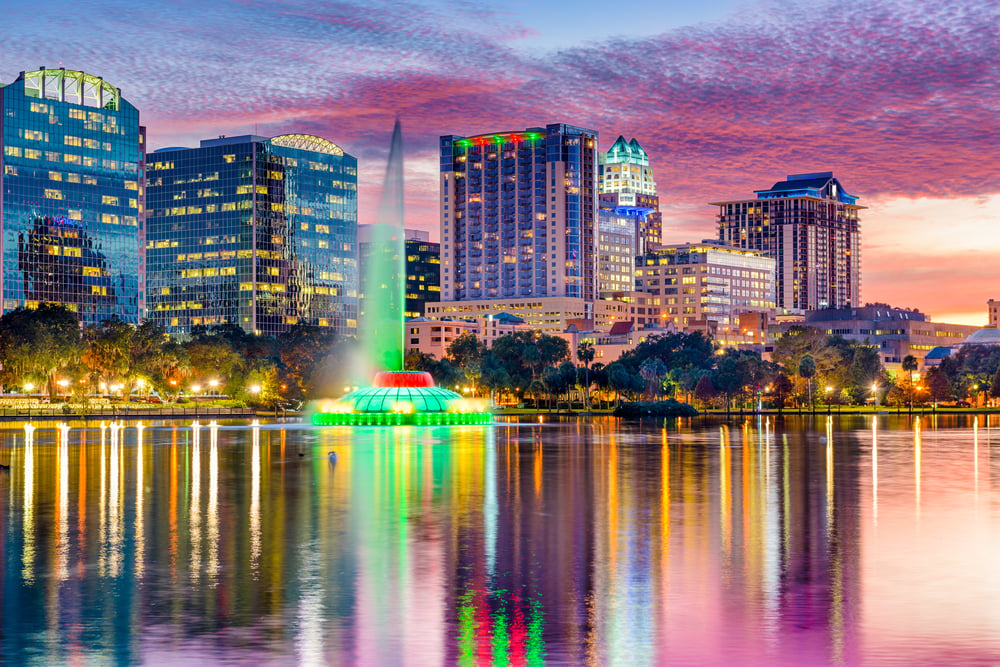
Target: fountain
(396, 396)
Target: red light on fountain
(403, 379)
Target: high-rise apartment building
(627, 185)
(71, 208)
(708, 286)
(519, 215)
(251, 231)
(809, 225)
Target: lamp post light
(214, 384)
(875, 394)
(255, 389)
(63, 384)
(829, 397)
(29, 387)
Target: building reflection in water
(578, 542)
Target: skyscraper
(627, 185)
(809, 225)
(72, 198)
(256, 232)
(519, 214)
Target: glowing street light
(29, 387)
(875, 394)
(196, 388)
(255, 389)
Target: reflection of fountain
(396, 396)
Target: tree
(653, 370)
(705, 391)
(585, 353)
(466, 353)
(807, 369)
(938, 385)
(782, 387)
(39, 343)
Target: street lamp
(255, 389)
(875, 394)
(63, 384)
(29, 387)
(214, 385)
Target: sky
(898, 98)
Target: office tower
(627, 185)
(423, 269)
(519, 215)
(251, 231)
(708, 286)
(809, 225)
(616, 254)
(72, 196)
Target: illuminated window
(53, 194)
(229, 158)
(109, 200)
(55, 176)
(72, 141)
(243, 189)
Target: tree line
(46, 348)
(47, 351)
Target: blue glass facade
(72, 196)
(256, 232)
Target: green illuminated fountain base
(403, 398)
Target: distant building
(423, 269)
(896, 332)
(994, 312)
(643, 309)
(627, 185)
(256, 232)
(708, 286)
(72, 218)
(809, 225)
(435, 336)
(548, 314)
(518, 215)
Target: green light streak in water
(535, 646)
(466, 631)
(501, 639)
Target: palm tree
(585, 353)
(807, 369)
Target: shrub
(667, 408)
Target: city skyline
(894, 98)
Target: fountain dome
(402, 397)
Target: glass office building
(257, 232)
(72, 198)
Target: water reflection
(753, 542)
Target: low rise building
(548, 314)
(435, 336)
(895, 332)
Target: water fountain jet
(396, 396)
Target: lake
(807, 540)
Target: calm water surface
(808, 541)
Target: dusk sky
(899, 99)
